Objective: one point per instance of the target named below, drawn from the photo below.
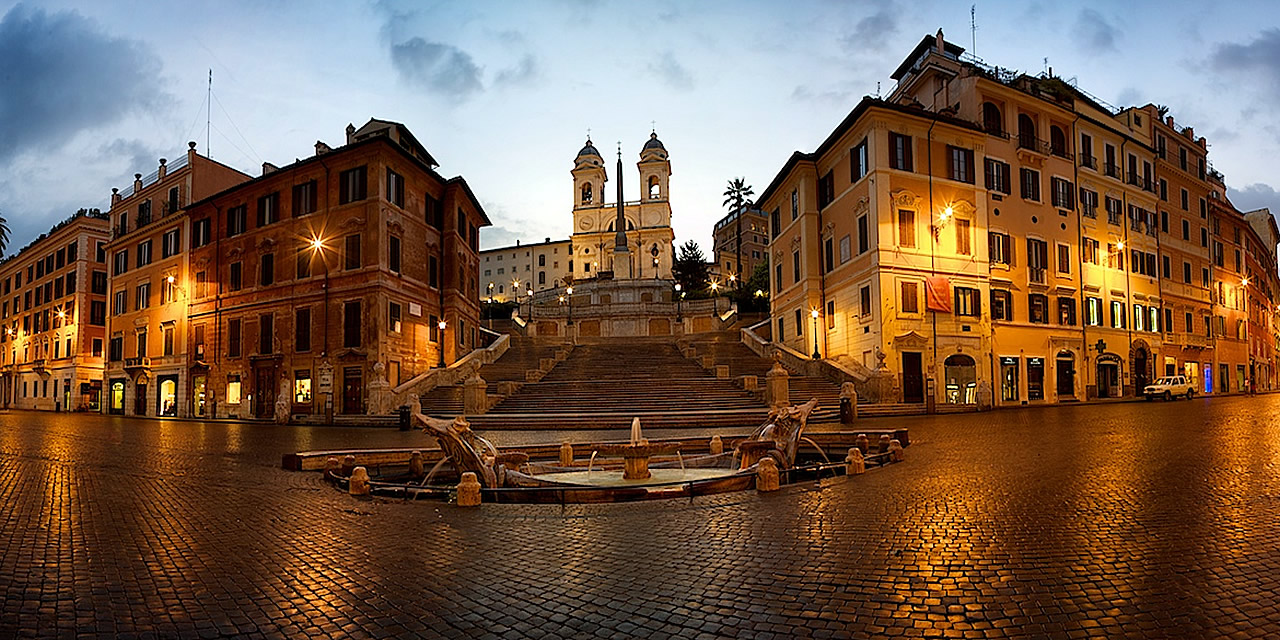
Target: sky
(504, 93)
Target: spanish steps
(523, 354)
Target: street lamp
(440, 342)
(317, 247)
(715, 297)
(529, 294)
(814, 314)
(569, 291)
(654, 252)
(679, 300)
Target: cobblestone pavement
(1141, 520)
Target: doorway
(1108, 380)
(912, 378)
(352, 390)
(199, 389)
(1009, 368)
(1141, 377)
(140, 398)
(115, 404)
(1066, 368)
(1035, 378)
(264, 392)
(961, 378)
(168, 397)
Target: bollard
(359, 484)
(566, 455)
(348, 465)
(416, 468)
(896, 451)
(767, 475)
(331, 466)
(469, 490)
(884, 443)
(717, 445)
(863, 443)
(855, 464)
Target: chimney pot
(137, 176)
(162, 162)
(191, 145)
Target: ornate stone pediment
(910, 340)
(861, 206)
(266, 243)
(395, 225)
(235, 252)
(905, 198)
(352, 222)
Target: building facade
(649, 236)
(54, 318)
(1086, 234)
(350, 269)
(741, 243)
(146, 371)
(508, 274)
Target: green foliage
(745, 295)
(690, 269)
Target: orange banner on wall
(937, 294)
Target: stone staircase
(604, 383)
(503, 376)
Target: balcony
(1032, 143)
(1036, 275)
(1089, 161)
(141, 363)
(39, 365)
(1112, 170)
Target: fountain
(636, 454)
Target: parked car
(1168, 387)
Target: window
(98, 313)
(433, 272)
(899, 151)
(992, 119)
(963, 245)
(1164, 264)
(910, 297)
(1063, 193)
(1117, 314)
(233, 389)
(351, 252)
(304, 198)
(142, 343)
(115, 349)
(1066, 311)
(1115, 257)
(198, 340)
(266, 333)
(267, 269)
(236, 281)
(352, 185)
(997, 176)
(826, 190)
(1001, 305)
(1030, 184)
(968, 302)
(303, 260)
(393, 253)
(302, 386)
(864, 240)
(393, 317)
(795, 267)
(201, 232)
(1037, 259)
(1115, 213)
(846, 249)
(395, 188)
(1186, 230)
(864, 301)
(120, 265)
(268, 209)
(302, 330)
(906, 228)
(858, 162)
(960, 164)
(1086, 151)
(351, 324)
(121, 302)
(173, 203)
(1038, 308)
(233, 339)
(1139, 317)
(170, 243)
(1186, 272)
(1163, 188)
(1093, 312)
(1064, 259)
(1026, 132)
(1089, 251)
(799, 325)
(1153, 322)
(237, 220)
(998, 246)
(168, 339)
(1204, 237)
(828, 255)
(795, 204)
(1057, 141)
(142, 297)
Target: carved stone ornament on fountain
(778, 438)
(467, 450)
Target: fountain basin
(614, 479)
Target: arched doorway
(961, 379)
(1109, 376)
(1065, 364)
(1140, 365)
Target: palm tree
(4, 234)
(738, 194)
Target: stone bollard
(469, 490)
(416, 468)
(348, 465)
(331, 467)
(767, 475)
(475, 399)
(359, 483)
(750, 383)
(863, 443)
(717, 445)
(777, 386)
(708, 362)
(855, 464)
(566, 455)
(884, 443)
(722, 372)
(896, 452)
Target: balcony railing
(1036, 275)
(1089, 211)
(1112, 170)
(142, 362)
(1032, 143)
(1115, 218)
(1089, 161)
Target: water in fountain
(591, 462)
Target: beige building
(649, 236)
(509, 273)
(740, 243)
(54, 318)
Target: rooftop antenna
(1046, 65)
(208, 117)
(588, 134)
(877, 89)
(653, 126)
(973, 28)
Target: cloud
(872, 34)
(803, 93)
(1262, 57)
(1255, 196)
(437, 67)
(1095, 35)
(136, 154)
(64, 75)
(523, 72)
(671, 72)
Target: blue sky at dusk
(503, 93)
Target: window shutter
(907, 141)
(977, 303)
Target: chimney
(1203, 143)
(548, 239)
(1190, 133)
(322, 148)
(351, 133)
(115, 196)
(267, 167)
(162, 171)
(1169, 121)
(137, 182)
(939, 42)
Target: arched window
(586, 193)
(961, 379)
(655, 191)
(630, 226)
(1026, 131)
(992, 120)
(1057, 141)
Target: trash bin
(846, 410)
(404, 417)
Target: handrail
(452, 374)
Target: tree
(738, 194)
(4, 234)
(690, 268)
(752, 294)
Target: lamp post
(440, 343)
(814, 314)
(679, 300)
(529, 294)
(654, 252)
(317, 247)
(715, 297)
(569, 291)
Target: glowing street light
(814, 313)
(440, 343)
(569, 291)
